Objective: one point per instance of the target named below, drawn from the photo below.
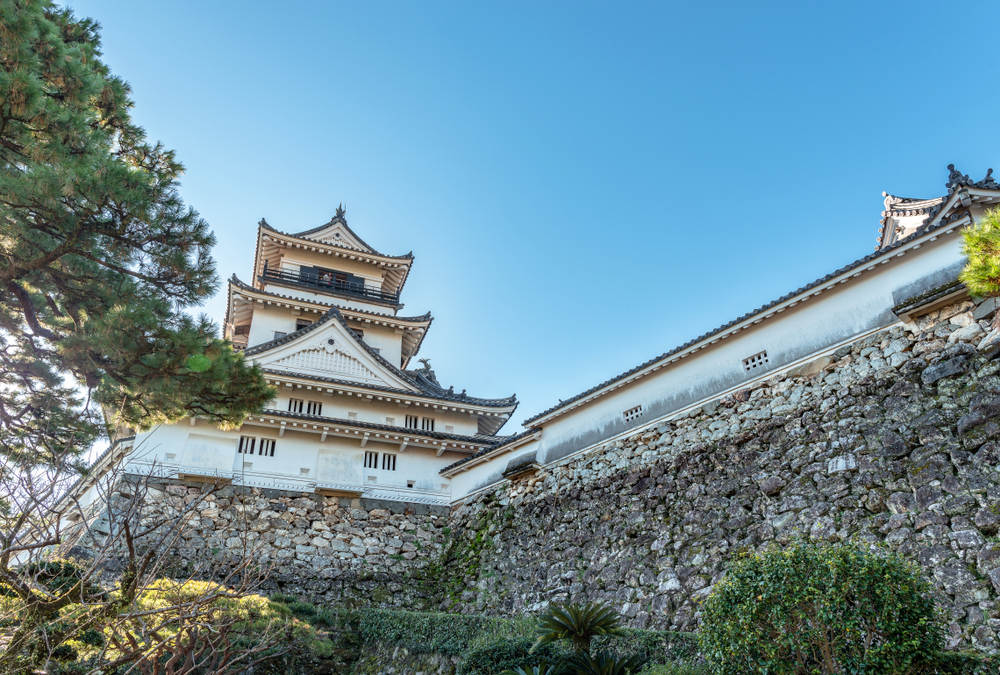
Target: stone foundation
(894, 441)
(336, 550)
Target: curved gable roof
(302, 236)
(420, 386)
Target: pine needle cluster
(100, 258)
(982, 248)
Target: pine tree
(981, 274)
(99, 256)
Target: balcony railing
(329, 285)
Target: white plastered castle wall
(488, 473)
(833, 317)
(861, 305)
(341, 406)
(301, 461)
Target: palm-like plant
(604, 664)
(539, 669)
(578, 624)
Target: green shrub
(821, 609)
(676, 668)
(422, 632)
(498, 655)
(961, 663)
(303, 610)
(653, 645)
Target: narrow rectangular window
(302, 323)
(247, 444)
(295, 405)
(427, 424)
(278, 334)
(391, 421)
(267, 447)
(410, 483)
(371, 460)
(412, 422)
(755, 362)
(352, 416)
(449, 428)
(314, 408)
(242, 330)
(388, 462)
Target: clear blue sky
(584, 185)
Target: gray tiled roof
(929, 296)
(301, 235)
(478, 439)
(956, 180)
(504, 441)
(919, 232)
(423, 390)
(242, 284)
(905, 206)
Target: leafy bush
(509, 653)
(821, 609)
(425, 632)
(653, 645)
(303, 610)
(676, 668)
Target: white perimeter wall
(300, 460)
(833, 317)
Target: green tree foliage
(99, 256)
(982, 248)
(821, 609)
(577, 623)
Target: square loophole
(756, 362)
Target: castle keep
(861, 405)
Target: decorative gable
(329, 360)
(338, 235)
(329, 349)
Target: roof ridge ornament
(890, 200)
(989, 182)
(341, 214)
(956, 179)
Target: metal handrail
(331, 285)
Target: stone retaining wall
(894, 440)
(335, 550)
